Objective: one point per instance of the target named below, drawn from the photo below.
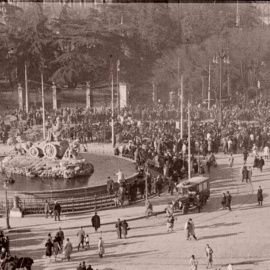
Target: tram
(192, 192)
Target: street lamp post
(7, 207)
(43, 107)
(222, 58)
(118, 90)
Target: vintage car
(191, 192)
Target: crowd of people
(152, 137)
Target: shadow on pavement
(219, 235)
(218, 225)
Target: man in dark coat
(260, 196)
(261, 164)
(56, 211)
(228, 200)
(96, 221)
(118, 227)
(245, 155)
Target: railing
(36, 206)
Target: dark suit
(57, 211)
(96, 222)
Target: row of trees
(154, 43)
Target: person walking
(244, 174)
(149, 209)
(118, 226)
(192, 229)
(68, 250)
(46, 209)
(49, 246)
(249, 173)
(101, 247)
(125, 228)
(228, 200)
(57, 211)
(209, 256)
(62, 236)
(245, 155)
(81, 235)
(96, 222)
(231, 160)
(56, 246)
(266, 152)
(260, 196)
(188, 229)
(87, 242)
(261, 164)
(223, 201)
(255, 150)
(170, 223)
(193, 263)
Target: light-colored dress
(193, 264)
(266, 151)
(101, 247)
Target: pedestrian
(118, 226)
(68, 250)
(208, 165)
(170, 223)
(223, 201)
(120, 176)
(87, 242)
(256, 162)
(188, 229)
(198, 203)
(244, 173)
(231, 160)
(149, 209)
(57, 211)
(193, 263)
(46, 209)
(266, 152)
(228, 200)
(81, 235)
(83, 265)
(56, 247)
(245, 155)
(101, 247)
(209, 256)
(49, 237)
(255, 150)
(260, 196)
(249, 173)
(192, 229)
(125, 228)
(96, 222)
(62, 236)
(261, 163)
(49, 246)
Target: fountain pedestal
(16, 211)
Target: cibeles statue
(55, 132)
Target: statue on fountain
(55, 132)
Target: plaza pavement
(240, 237)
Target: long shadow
(218, 225)
(220, 235)
(146, 235)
